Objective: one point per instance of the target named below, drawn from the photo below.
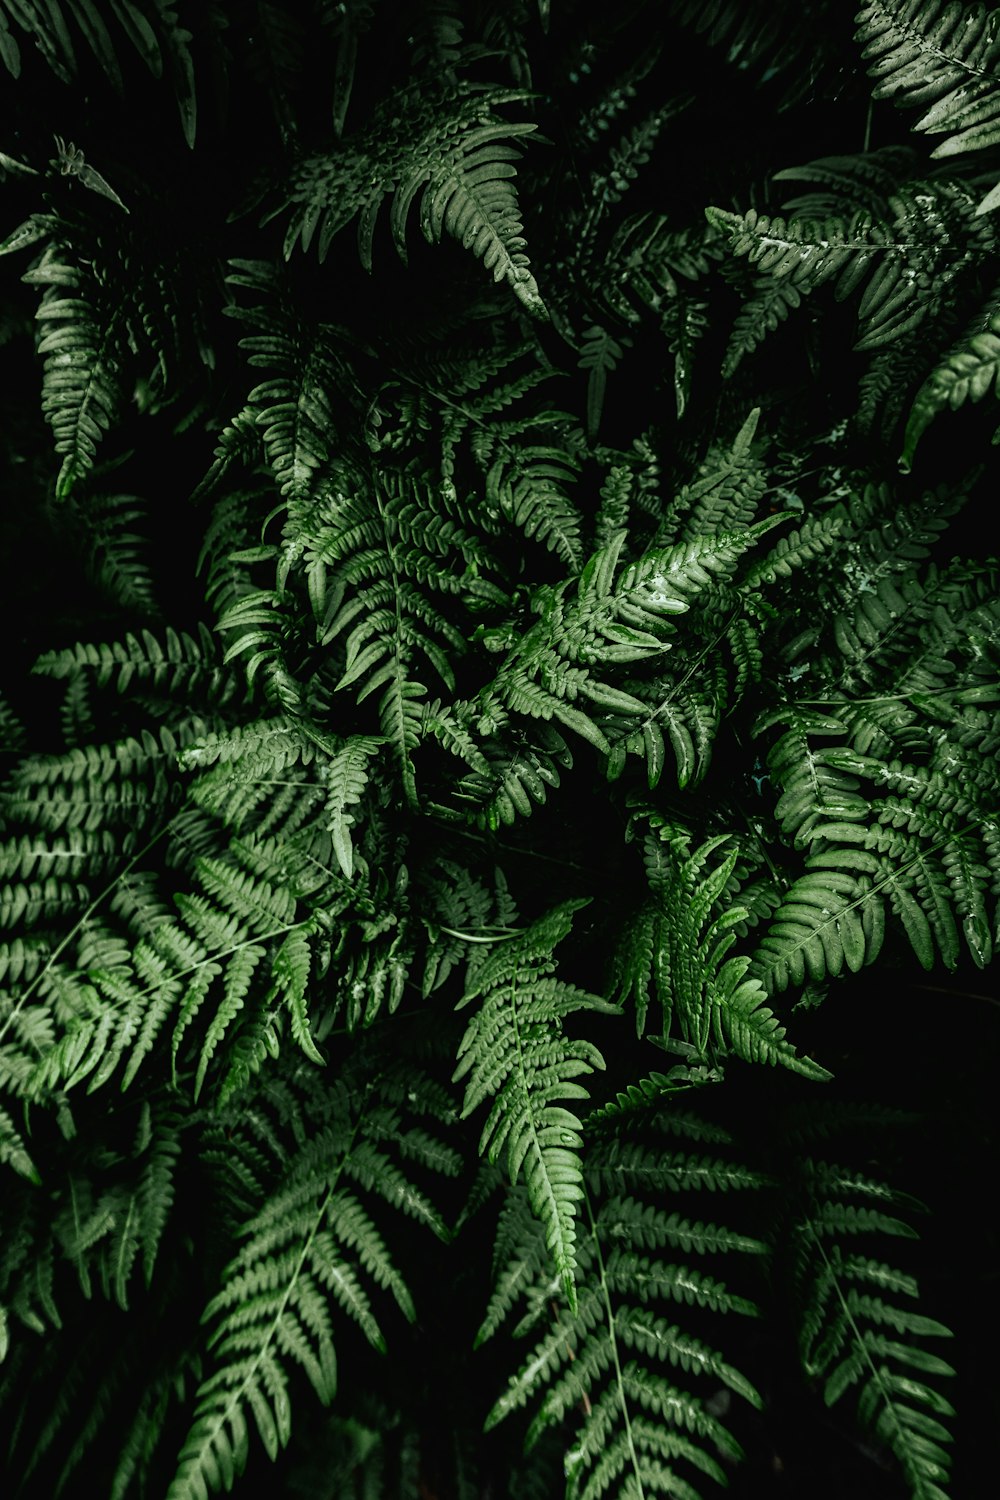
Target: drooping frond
(861, 1329)
(454, 152)
(82, 342)
(516, 1055)
(783, 46)
(115, 322)
(296, 408)
(966, 373)
(528, 483)
(152, 31)
(939, 57)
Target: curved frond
(859, 1328)
(457, 159)
(940, 57)
(515, 1054)
(312, 1253)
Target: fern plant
(490, 759)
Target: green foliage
(514, 1050)
(941, 56)
(451, 151)
(613, 1360)
(311, 1246)
(431, 692)
(859, 1327)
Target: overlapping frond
(889, 797)
(516, 1054)
(313, 1253)
(674, 953)
(563, 668)
(624, 1363)
(488, 618)
(449, 148)
(904, 262)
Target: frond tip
(451, 152)
(514, 1052)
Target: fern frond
(674, 952)
(616, 617)
(456, 157)
(965, 374)
(158, 38)
(813, 539)
(122, 1230)
(118, 555)
(781, 47)
(528, 484)
(296, 407)
(844, 184)
(180, 662)
(893, 815)
(768, 305)
(13, 1152)
(312, 1251)
(940, 57)
(347, 776)
(727, 491)
(609, 1357)
(514, 1052)
(854, 1332)
(598, 356)
(82, 342)
(898, 259)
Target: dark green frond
(940, 58)
(860, 1330)
(462, 170)
(437, 697)
(311, 1255)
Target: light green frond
(515, 1054)
(610, 1364)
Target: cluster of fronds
(493, 715)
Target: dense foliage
(499, 643)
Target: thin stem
(948, 989)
